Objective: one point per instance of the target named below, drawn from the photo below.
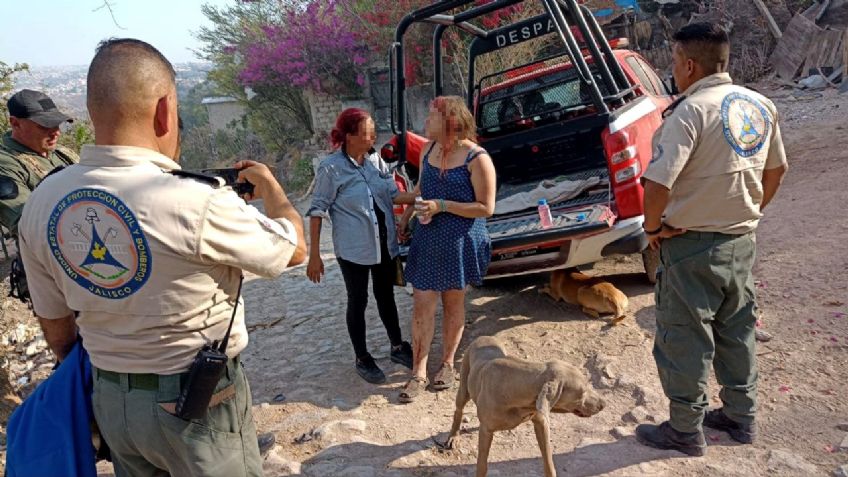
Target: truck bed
(593, 196)
(586, 214)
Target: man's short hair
(707, 44)
(125, 71)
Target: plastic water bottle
(545, 214)
(419, 207)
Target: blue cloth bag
(49, 434)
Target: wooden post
(824, 8)
(845, 58)
(775, 30)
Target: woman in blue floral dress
(452, 250)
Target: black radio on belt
(204, 374)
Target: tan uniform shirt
(150, 260)
(711, 153)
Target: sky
(65, 32)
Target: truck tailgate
(524, 231)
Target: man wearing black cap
(30, 150)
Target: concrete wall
(324, 111)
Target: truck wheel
(651, 261)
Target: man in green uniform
(718, 160)
(30, 150)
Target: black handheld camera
(230, 177)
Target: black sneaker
(369, 371)
(402, 354)
(718, 420)
(665, 437)
(266, 442)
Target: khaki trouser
(705, 316)
(147, 440)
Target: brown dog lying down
(594, 295)
(510, 391)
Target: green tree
(7, 73)
(279, 114)
(192, 110)
(77, 135)
(196, 151)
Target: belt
(695, 235)
(144, 381)
(150, 382)
(147, 382)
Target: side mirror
(387, 152)
(8, 188)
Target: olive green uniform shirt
(26, 167)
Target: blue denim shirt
(345, 189)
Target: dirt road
(328, 422)
(357, 429)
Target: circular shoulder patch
(746, 124)
(99, 244)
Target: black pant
(356, 283)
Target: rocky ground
(328, 422)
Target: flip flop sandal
(444, 378)
(412, 389)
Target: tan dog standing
(594, 295)
(510, 391)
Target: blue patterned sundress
(450, 252)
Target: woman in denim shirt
(358, 190)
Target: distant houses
(223, 111)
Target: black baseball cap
(37, 107)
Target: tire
(651, 261)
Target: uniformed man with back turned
(152, 258)
(718, 161)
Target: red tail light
(624, 149)
(617, 142)
(622, 154)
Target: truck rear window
(557, 91)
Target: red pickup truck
(543, 126)
(575, 127)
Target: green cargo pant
(146, 440)
(705, 315)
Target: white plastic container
(419, 207)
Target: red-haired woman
(451, 251)
(354, 185)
